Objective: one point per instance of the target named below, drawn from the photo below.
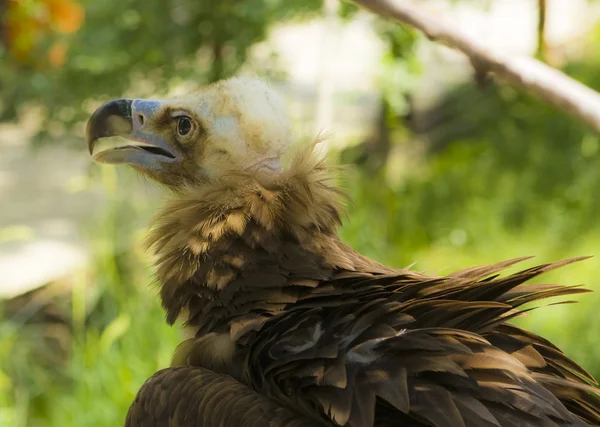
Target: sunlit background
(447, 171)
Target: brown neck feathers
(234, 252)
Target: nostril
(140, 118)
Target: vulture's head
(239, 124)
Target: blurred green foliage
(499, 175)
(149, 45)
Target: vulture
(285, 324)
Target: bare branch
(549, 84)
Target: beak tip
(90, 144)
(102, 124)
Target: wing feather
(192, 397)
(372, 344)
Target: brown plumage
(289, 326)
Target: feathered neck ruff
(206, 237)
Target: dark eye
(184, 125)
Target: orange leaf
(66, 15)
(57, 54)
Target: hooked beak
(129, 118)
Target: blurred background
(448, 170)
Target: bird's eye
(184, 125)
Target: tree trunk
(541, 30)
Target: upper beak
(129, 118)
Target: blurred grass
(118, 336)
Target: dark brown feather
(192, 396)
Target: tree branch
(549, 84)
